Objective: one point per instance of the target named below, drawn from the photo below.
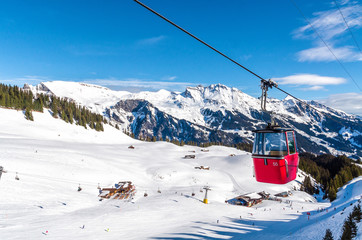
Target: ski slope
(51, 158)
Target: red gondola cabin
(275, 155)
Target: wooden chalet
(190, 156)
(249, 199)
(264, 195)
(122, 190)
(283, 194)
(203, 168)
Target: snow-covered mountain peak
(214, 90)
(289, 99)
(215, 107)
(218, 95)
(93, 96)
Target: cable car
(275, 155)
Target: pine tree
(349, 229)
(2, 99)
(54, 108)
(338, 180)
(328, 235)
(63, 115)
(307, 185)
(38, 105)
(356, 213)
(91, 125)
(83, 122)
(70, 114)
(99, 126)
(7, 100)
(332, 194)
(28, 114)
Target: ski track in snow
(53, 157)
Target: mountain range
(215, 113)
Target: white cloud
(246, 57)
(135, 85)
(309, 79)
(151, 41)
(343, 2)
(314, 88)
(348, 102)
(169, 78)
(332, 29)
(127, 84)
(20, 81)
(322, 54)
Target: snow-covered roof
(253, 195)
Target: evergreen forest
(332, 172)
(13, 97)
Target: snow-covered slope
(206, 110)
(95, 97)
(51, 158)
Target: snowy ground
(52, 158)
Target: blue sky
(121, 45)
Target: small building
(131, 147)
(247, 200)
(203, 168)
(264, 195)
(283, 194)
(122, 190)
(204, 150)
(190, 156)
(232, 155)
(240, 200)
